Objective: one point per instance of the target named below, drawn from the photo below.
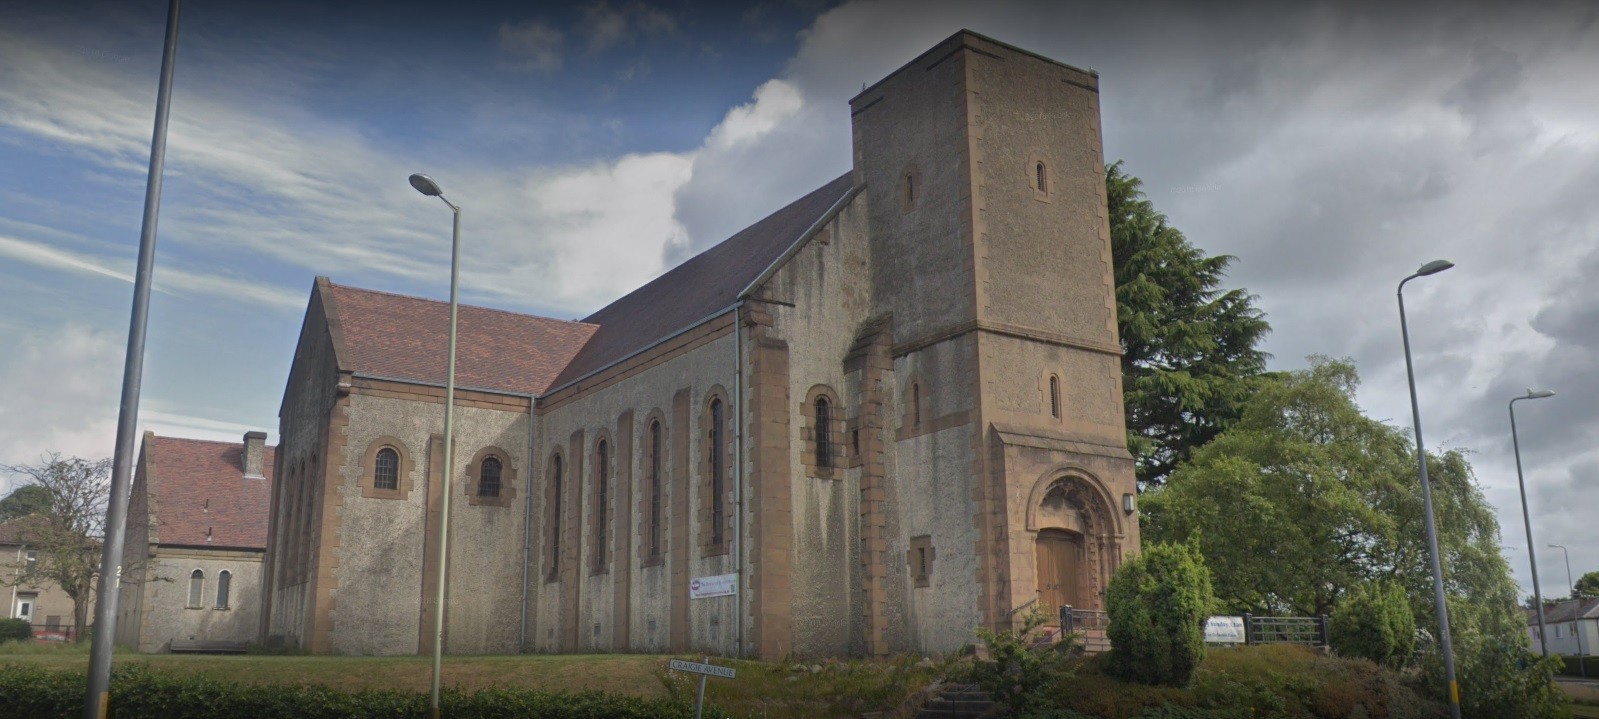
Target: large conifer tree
(1189, 346)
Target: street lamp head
(1539, 393)
(426, 185)
(1431, 268)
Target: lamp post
(1431, 268)
(1571, 592)
(427, 186)
(1532, 556)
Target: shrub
(1018, 672)
(1374, 622)
(1157, 604)
(15, 630)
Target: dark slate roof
(21, 529)
(403, 337)
(201, 496)
(1566, 611)
(706, 283)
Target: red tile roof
(706, 283)
(199, 487)
(402, 337)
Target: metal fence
(1082, 620)
(1309, 631)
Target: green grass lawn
(761, 689)
(1584, 710)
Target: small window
(602, 492)
(386, 471)
(555, 519)
(910, 189)
(916, 404)
(1054, 396)
(920, 559)
(196, 589)
(33, 560)
(655, 489)
(718, 473)
(824, 424)
(488, 483)
(224, 581)
(1040, 178)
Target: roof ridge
(387, 293)
(153, 435)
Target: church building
(885, 415)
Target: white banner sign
(1224, 630)
(721, 585)
(698, 668)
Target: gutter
(738, 462)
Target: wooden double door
(1060, 566)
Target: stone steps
(957, 701)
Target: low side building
(29, 596)
(1573, 627)
(195, 541)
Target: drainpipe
(527, 521)
(738, 450)
(12, 607)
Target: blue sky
(1331, 148)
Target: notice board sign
(1224, 630)
(721, 585)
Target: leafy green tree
(1188, 346)
(1588, 585)
(1157, 604)
(1374, 622)
(1305, 498)
(23, 501)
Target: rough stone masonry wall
(168, 615)
(384, 594)
(675, 389)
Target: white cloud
(61, 389)
(168, 280)
(606, 27)
(530, 46)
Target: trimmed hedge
(138, 693)
(1374, 622)
(1157, 604)
(15, 630)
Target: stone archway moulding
(1066, 473)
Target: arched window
(910, 189)
(488, 483)
(1054, 396)
(196, 589)
(916, 404)
(824, 440)
(655, 489)
(1038, 172)
(555, 517)
(224, 581)
(602, 497)
(386, 470)
(718, 472)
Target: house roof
(1567, 611)
(403, 337)
(16, 531)
(201, 496)
(706, 283)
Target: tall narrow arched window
(1054, 396)
(718, 473)
(196, 589)
(655, 489)
(555, 516)
(824, 439)
(602, 497)
(916, 404)
(224, 582)
(386, 470)
(1039, 178)
(910, 189)
(488, 482)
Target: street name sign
(701, 668)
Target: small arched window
(916, 404)
(555, 517)
(224, 582)
(824, 440)
(1040, 178)
(488, 478)
(655, 489)
(910, 189)
(602, 495)
(386, 470)
(1054, 396)
(196, 589)
(718, 472)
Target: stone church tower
(883, 416)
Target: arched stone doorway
(1077, 541)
